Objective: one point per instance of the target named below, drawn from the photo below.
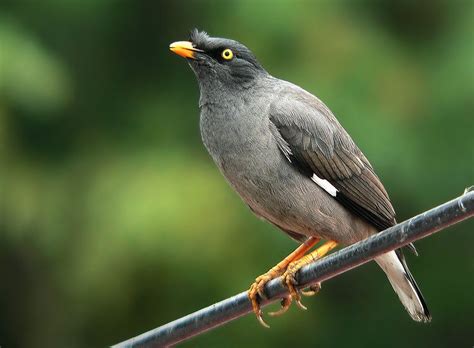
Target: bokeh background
(113, 218)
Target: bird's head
(219, 62)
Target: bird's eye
(227, 54)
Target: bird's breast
(238, 138)
(235, 131)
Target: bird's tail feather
(394, 265)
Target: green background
(114, 220)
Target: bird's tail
(394, 265)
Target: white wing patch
(325, 185)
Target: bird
(291, 161)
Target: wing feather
(312, 139)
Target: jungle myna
(291, 161)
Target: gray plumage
(290, 160)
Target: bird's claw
(285, 304)
(257, 289)
(261, 321)
(313, 290)
(289, 280)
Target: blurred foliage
(113, 218)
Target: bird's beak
(184, 49)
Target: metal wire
(418, 227)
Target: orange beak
(184, 49)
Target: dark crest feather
(198, 38)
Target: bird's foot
(257, 289)
(289, 279)
(286, 301)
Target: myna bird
(291, 161)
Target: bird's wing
(312, 139)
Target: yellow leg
(257, 287)
(294, 267)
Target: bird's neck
(214, 91)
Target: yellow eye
(227, 54)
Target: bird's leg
(294, 267)
(257, 288)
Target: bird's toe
(312, 290)
(257, 291)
